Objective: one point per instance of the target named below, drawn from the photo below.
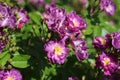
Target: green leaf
(3, 54)
(88, 31)
(36, 29)
(110, 28)
(36, 17)
(20, 61)
(97, 31)
(4, 59)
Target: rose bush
(59, 40)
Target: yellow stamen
(75, 23)
(109, 8)
(1, 16)
(58, 50)
(10, 78)
(106, 61)
(103, 41)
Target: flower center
(1, 16)
(103, 41)
(75, 23)
(10, 78)
(106, 61)
(58, 50)
(109, 8)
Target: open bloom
(72, 24)
(108, 6)
(4, 14)
(75, 23)
(56, 51)
(79, 45)
(100, 42)
(7, 17)
(13, 74)
(54, 17)
(107, 62)
(116, 41)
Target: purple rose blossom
(73, 78)
(56, 51)
(4, 13)
(79, 45)
(4, 41)
(23, 18)
(56, 20)
(54, 17)
(13, 74)
(108, 62)
(11, 21)
(71, 25)
(116, 41)
(108, 6)
(7, 17)
(4, 10)
(100, 42)
(75, 23)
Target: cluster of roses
(12, 74)
(110, 49)
(10, 18)
(69, 27)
